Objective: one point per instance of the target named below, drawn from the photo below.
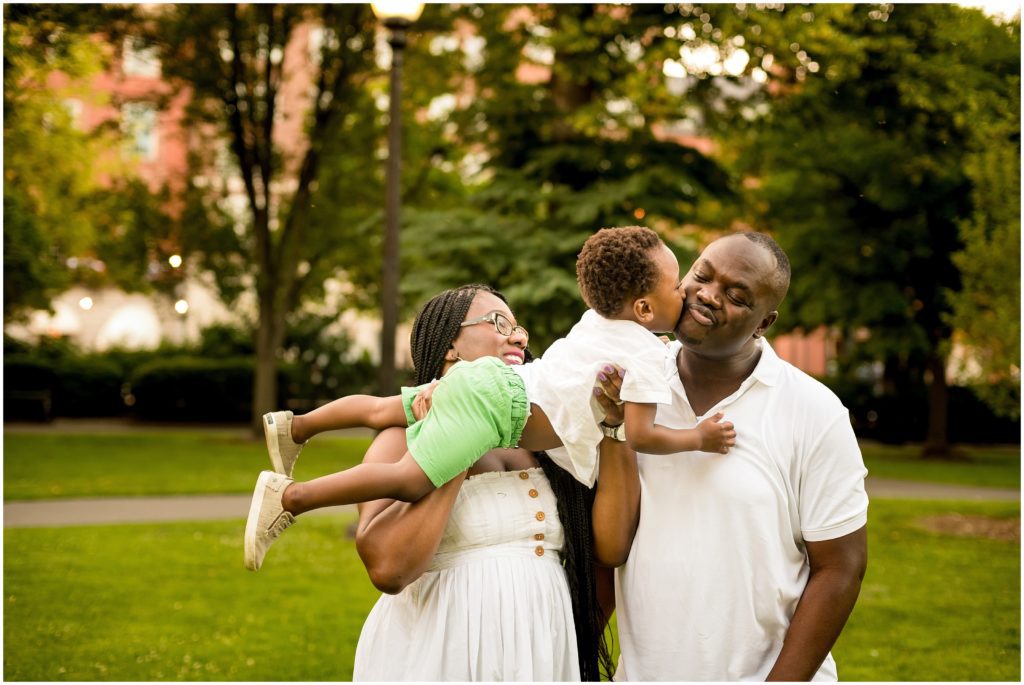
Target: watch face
(614, 432)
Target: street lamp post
(397, 16)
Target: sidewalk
(113, 510)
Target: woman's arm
(397, 540)
(616, 510)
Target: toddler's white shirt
(561, 383)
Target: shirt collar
(767, 371)
(769, 366)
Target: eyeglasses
(501, 324)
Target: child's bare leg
(348, 412)
(321, 419)
(402, 480)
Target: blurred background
(213, 211)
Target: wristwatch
(614, 432)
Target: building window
(138, 122)
(140, 61)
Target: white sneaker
(267, 517)
(277, 429)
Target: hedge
(29, 387)
(193, 389)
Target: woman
(476, 588)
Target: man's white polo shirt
(718, 562)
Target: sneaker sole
(270, 433)
(253, 521)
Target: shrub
(29, 384)
(88, 386)
(903, 417)
(193, 389)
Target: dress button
(524, 475)
(533, 493)
(540, 515)
(539, 551)
(538, 536)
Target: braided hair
(574, 511)
(433, 332)
(438, 324)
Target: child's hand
(421, 403)
(716, 435)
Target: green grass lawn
(934, 607)
(982, 465)
(173, 602)
(39, 465)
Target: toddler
(630, 280)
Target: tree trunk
(936, 443)
(269, 337)
(264, 392)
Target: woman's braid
(574, 511)
(438, 324)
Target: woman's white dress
(495, 603)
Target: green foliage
(29, 384)
(860, 162)
(854, 154)
(73, 210)
(193, 389)
(901, 415)
(986, 311)
(560, 155)
(48, 163)
(321, 364)
(88, 386)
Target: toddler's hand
(716, 435)
(421, 403)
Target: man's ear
(451, 355)
(642, 311)
(766, 323)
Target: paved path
(96, 511)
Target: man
(744, 566)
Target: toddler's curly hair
(615, 266)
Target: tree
(48, 163)
(564, 124)
(986, 311)
(291, 89)
(858, 161)
(73, 210)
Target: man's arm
(837, 568)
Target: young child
(630, 280)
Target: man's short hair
(616, 266)
(783, 272)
